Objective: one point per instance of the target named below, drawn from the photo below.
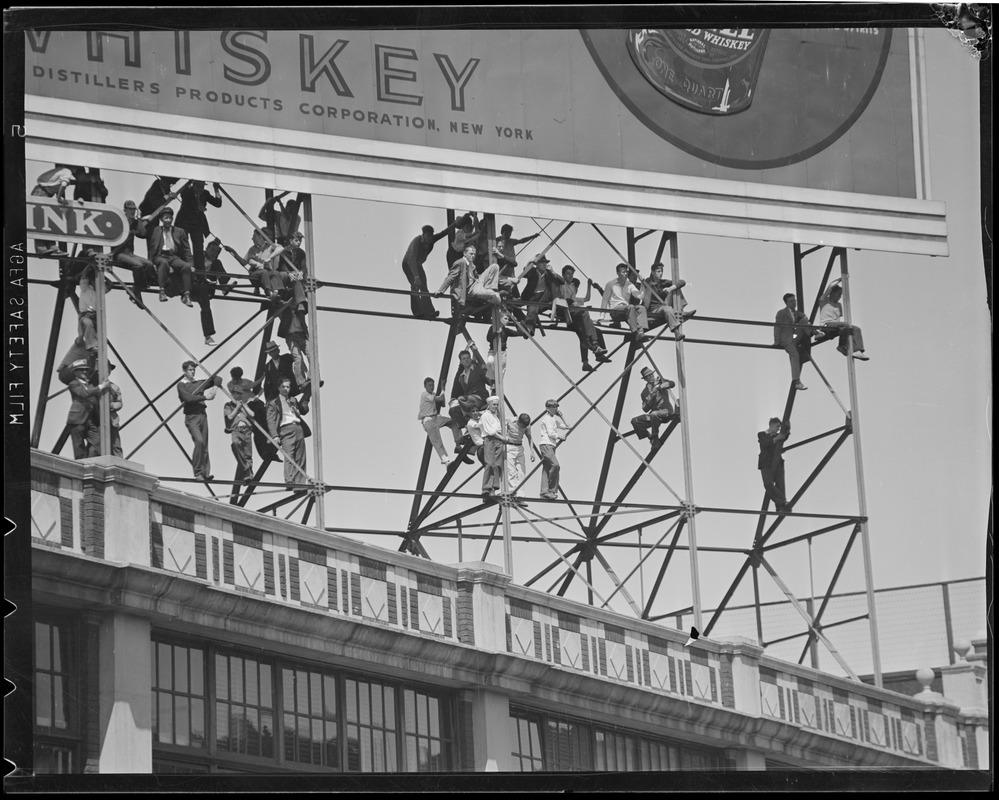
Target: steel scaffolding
(586, 526)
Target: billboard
(825, 109)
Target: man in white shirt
(830, 316)
(285, 423)
(617, 298)
(492, 449)
(432, 422)
(552, 432)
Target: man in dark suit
(656, 405)
(143, 271)
(277, 366)
(82, 428)
(170, 251)
(285, 424)
(469, 389)
(790, 336)
(771, 462)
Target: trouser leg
(550, 469)
(78, 435)
(116, 443)
(197, 426)
(207, 319)
(795, 358)
(774, 492)
(433, 428)
(88, 329)
(242, 449)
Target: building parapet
(188, 552)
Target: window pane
(222, 727)
(365, 749)
(267, 734)
(409, 701)
(377, 717)
(378, 751)
(197, 672)
(436, 755)
(198, 723)
(265, 686)
(412, 762)
(288, 690)
(289, 738)
(43, 699)
(59, 703)
(221, 678)
(315, 694)
(317, 741)
(435, 717)
(43, 646)
(180, 669)
(59, 636)
(165, 718)
(329, 697)
(390, 708)
(166, 671)
(351, 698)
(422, 726)
(236, 679)
(252, 687)
(353, 748)
(252, 732)
(391, 754)
(183, 721)
(364, 703)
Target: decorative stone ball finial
(961, 647)
(925, 677)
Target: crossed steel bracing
(581, 531)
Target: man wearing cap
(261, 261)
(552, 431)
(194, 394)
(114, 392)
(579, 319)
(83, 431)
(285, 424)
(492, 448)
(238, 423)
(412, 266)
(53, 183)
(541, 289)
(790, 334)
(617, 299)
(771, 462)
(170, 251)
(656, 405)
(157, 195)
(143, 271)
(468, 390)
(658, 298)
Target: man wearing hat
(278, 366)
(115, 405)
(541, 289)
(285, 424)
(194, 394)
(170, 251)
(194, 202)
(623, 302)
(552, 431)
(492, 448)
(656, 405)
(791, 335)
(468, 391)
(143, 271)
(82, 429)
(412, 266)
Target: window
(310, 721)
(178, 700)
(56, 694)
(220, 710)
(244, 706)
(544, 743)
(371, 728)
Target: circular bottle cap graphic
(744, 98)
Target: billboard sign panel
(76, 221)
(814, 109)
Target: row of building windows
(543, 743)
(221, 710)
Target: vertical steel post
(100, 314)
(46, 382)
(505, 504)
(688, 477)
(314, 375)
(851, 371)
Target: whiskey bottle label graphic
(710, 71)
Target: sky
(924, 414)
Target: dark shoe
(800, 386)
(186, 300)
(163, 296)
(842, 350)
(467, 460)
(678, 335)
(690, 313)
(603, 358)
(587, 367)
